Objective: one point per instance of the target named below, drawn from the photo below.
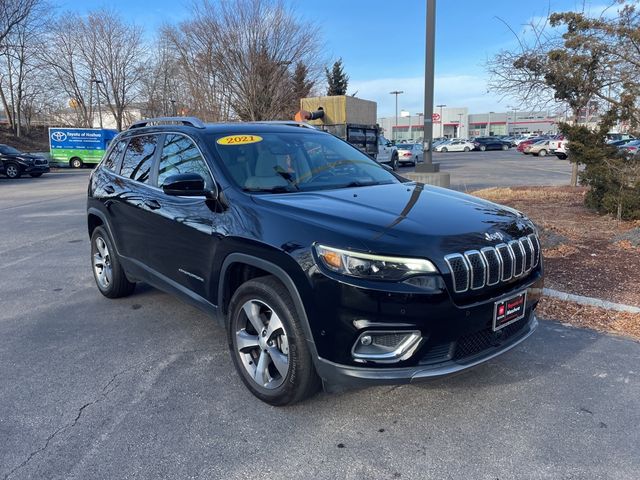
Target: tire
(482, 148)
(12, 170)
(466, 149)
(292, 377)
(107, 270)
(542, 153)
(444, 150)
(394, 162)
(505, 147)
(562, 156)
(75, 162)
(36, 175)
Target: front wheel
(267, 343)
(482, 148)
(12, 170)
(505, 147)
(444, 150)
(542, 153)
(466, 149)
(75, 163)
(394, 162)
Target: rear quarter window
(138, 158)
(113, 158)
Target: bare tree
(239, 57)
(116, 52)
(13, 13)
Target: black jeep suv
(13, 163)
(321, 264)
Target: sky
(382, 43)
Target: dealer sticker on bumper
(509, 310)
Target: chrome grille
(489, 266)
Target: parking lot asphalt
(143, 387)
(475, 170)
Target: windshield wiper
(357, 183)
(287, 176)
(278, 189)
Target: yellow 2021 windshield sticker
(239, 139)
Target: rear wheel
(466, 149)
(505, 147)
(483, 148)
(542, 153)
(107, 270)
(267, 344)
(75, 163)
(12, 170)
(444, 150)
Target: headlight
(374, 267)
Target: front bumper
(36, 169)
(340, 376)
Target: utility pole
(460, 125)
(429, 68)
(395, 131)
(174, 113)
(98, 82)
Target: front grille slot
(459, 271)
(474, 343)
(491, 265)
(518, 257)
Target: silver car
(410, 153)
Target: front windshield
(297, 161)
(6, 149)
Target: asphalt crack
(105, 391)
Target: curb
(593, 302)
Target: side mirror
(187, 185)
(389, 144)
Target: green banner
(64, 155)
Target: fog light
(386, 346)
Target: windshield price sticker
(239, 139)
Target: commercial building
(458, 123)
(447, 122)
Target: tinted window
(138, 158)
(299, 161)
(180, 155)
(114, 156)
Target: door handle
(152, 204)
(109, 189)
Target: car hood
(410, 219)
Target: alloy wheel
(262, 344)
(102, 264)
(12, 171)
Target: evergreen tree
(337, 80)
(302, 85)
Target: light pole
(429, 66)
(441, 122)
(515, 118)
(420, 122)
(173, 107)
(460, 125)
(395, 131)
(98, 82)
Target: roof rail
(189, 121)
(291, 123)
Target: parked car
(530, 141)
(620, 143)
(14, 163)
(612, 136)
(410, 153)
(630, 148)
(490, 143)
(560, 148)
(387, 153)
(538, 149)
(323, 266)
(455, 145)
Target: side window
(138, 158)
(111, 161)
(180, 155)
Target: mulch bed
(585, 254)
